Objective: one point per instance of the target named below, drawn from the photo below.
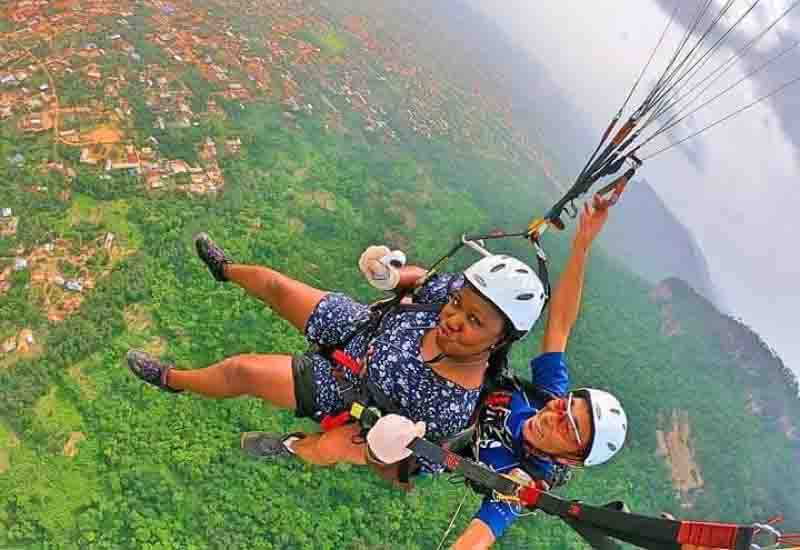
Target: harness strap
(595, 537)
(349, 392)
(461, 440)
(363, 391)
(464, 466)
(644, 531)
(330, 422)
(346, 361)
(595, 523)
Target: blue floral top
(393, 358)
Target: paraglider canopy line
(680, 83)
(725, 118)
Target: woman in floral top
(430, 364)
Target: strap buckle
(366, 416)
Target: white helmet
(512, 286)
(609, 423)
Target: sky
(735, 186)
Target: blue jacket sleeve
(497, 515)
(549, 372)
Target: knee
(271, 281)
(328, 452)
(314, 449)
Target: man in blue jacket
(529, 435)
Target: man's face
(550, 431)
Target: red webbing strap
(707, 534)
(329, 422)
(597, 522)
(790, 539)
(346, 361)
(642, 531)
(498, 399)
(529, 496)
(347, 391)
(713, 535)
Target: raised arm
(566, 300)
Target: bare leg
(341, 445)
(333, 447)
(291, 299)
(266, 376)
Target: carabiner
(476, 246)
(769, 530)
(572, 210)
(539, 251)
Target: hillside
(770, 388)
(647, 237)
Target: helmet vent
(612, 447)
(616, 411)
(479, 279)
(498, 267)
(523, 271)
(624, 426)
(523, 297)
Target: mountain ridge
(644, 234)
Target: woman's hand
(389, 438)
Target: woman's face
(550, 431)
(468, 324)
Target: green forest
(159, 471)
(152, 470)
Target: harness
(363, 401)
(600, 525)
(363, 394)
(489, 417)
